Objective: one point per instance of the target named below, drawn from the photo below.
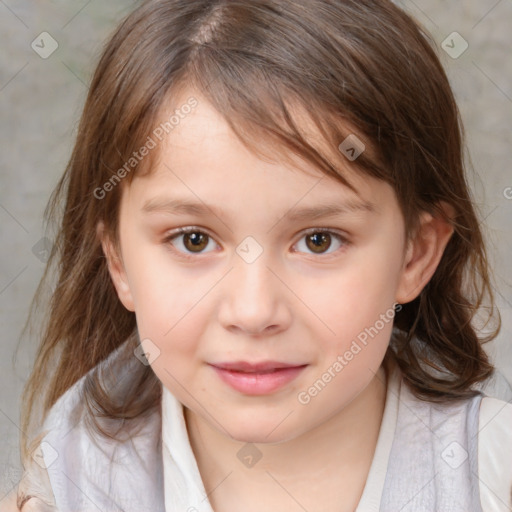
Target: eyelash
(192, 229)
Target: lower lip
(259, 383)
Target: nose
(255, 300)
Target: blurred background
(49, 53)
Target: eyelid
(324, 229)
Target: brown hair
(362, 64)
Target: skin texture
(290, 304)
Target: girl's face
(281, 265)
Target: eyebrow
(175, 206)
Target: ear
(115, 268)
(424, 252)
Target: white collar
(183, 485)
(372, 492)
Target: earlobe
(423, 254)
(116, 268)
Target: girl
(269, 267)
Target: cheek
(355, 297)
(169, 315)
(356, 307)
(163, 293)
(375, 272)
(172, 308)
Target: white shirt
(76, 470)
(495, 455)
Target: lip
(260, 378)
(262, 366)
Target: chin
(261, 433)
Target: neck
(341, 448)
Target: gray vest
(433, 464)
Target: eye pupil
(198, 240)
(318, 238)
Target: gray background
(41, 101)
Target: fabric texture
(433, 464)
(428, 458)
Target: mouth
(258, 378)
(259, 367)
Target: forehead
(304, 118)
(201, 157)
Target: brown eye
(195, 241)
(320, 241)
(189, 241)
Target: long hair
(355, 66)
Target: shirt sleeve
(495, 455)
(35, 492)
